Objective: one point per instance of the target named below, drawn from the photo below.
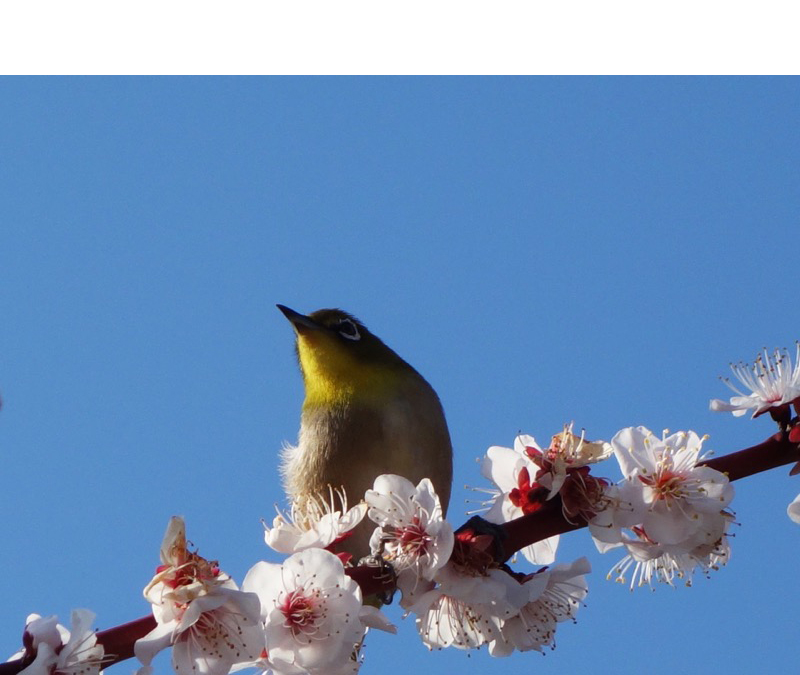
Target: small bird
(366, 412)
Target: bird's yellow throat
(333, 377)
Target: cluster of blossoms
(463, 601)
(460, 596)
(668, 512)
(306, 616)
(526, 476)
(466, 608)
(210, 624)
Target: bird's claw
(386, 574)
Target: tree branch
(548, 521)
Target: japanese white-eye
(366, 412)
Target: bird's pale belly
(335, 452)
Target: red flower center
(301, 613)
(666, 485)
(527, 496)
(413, 538)
(195, 568)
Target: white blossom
(412, 533)
(466, 610)
(210, 624)
(648, 561)
(668, 511)
(517, 493)
(567, 451)
(554, 595)
(770, 382)
(312, 614)
(60, 651)
(664, 477)
(313, 523)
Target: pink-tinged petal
(718, 405)
(452, 622)
(668, 528)
(226, 638)
(313, 523)
(284, 542)
(412, 532)
(501, 646)
(499, 510)
(210, 624)
(81, 653)
(391, 501)
(46, 630)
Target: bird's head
(341, 359)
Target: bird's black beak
(300, 321)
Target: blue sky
(541, 249)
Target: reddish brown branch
(117, 644)
(11, 667)
(546, 522)
(118, 641)
(774, 452)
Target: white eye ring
(347, 329)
